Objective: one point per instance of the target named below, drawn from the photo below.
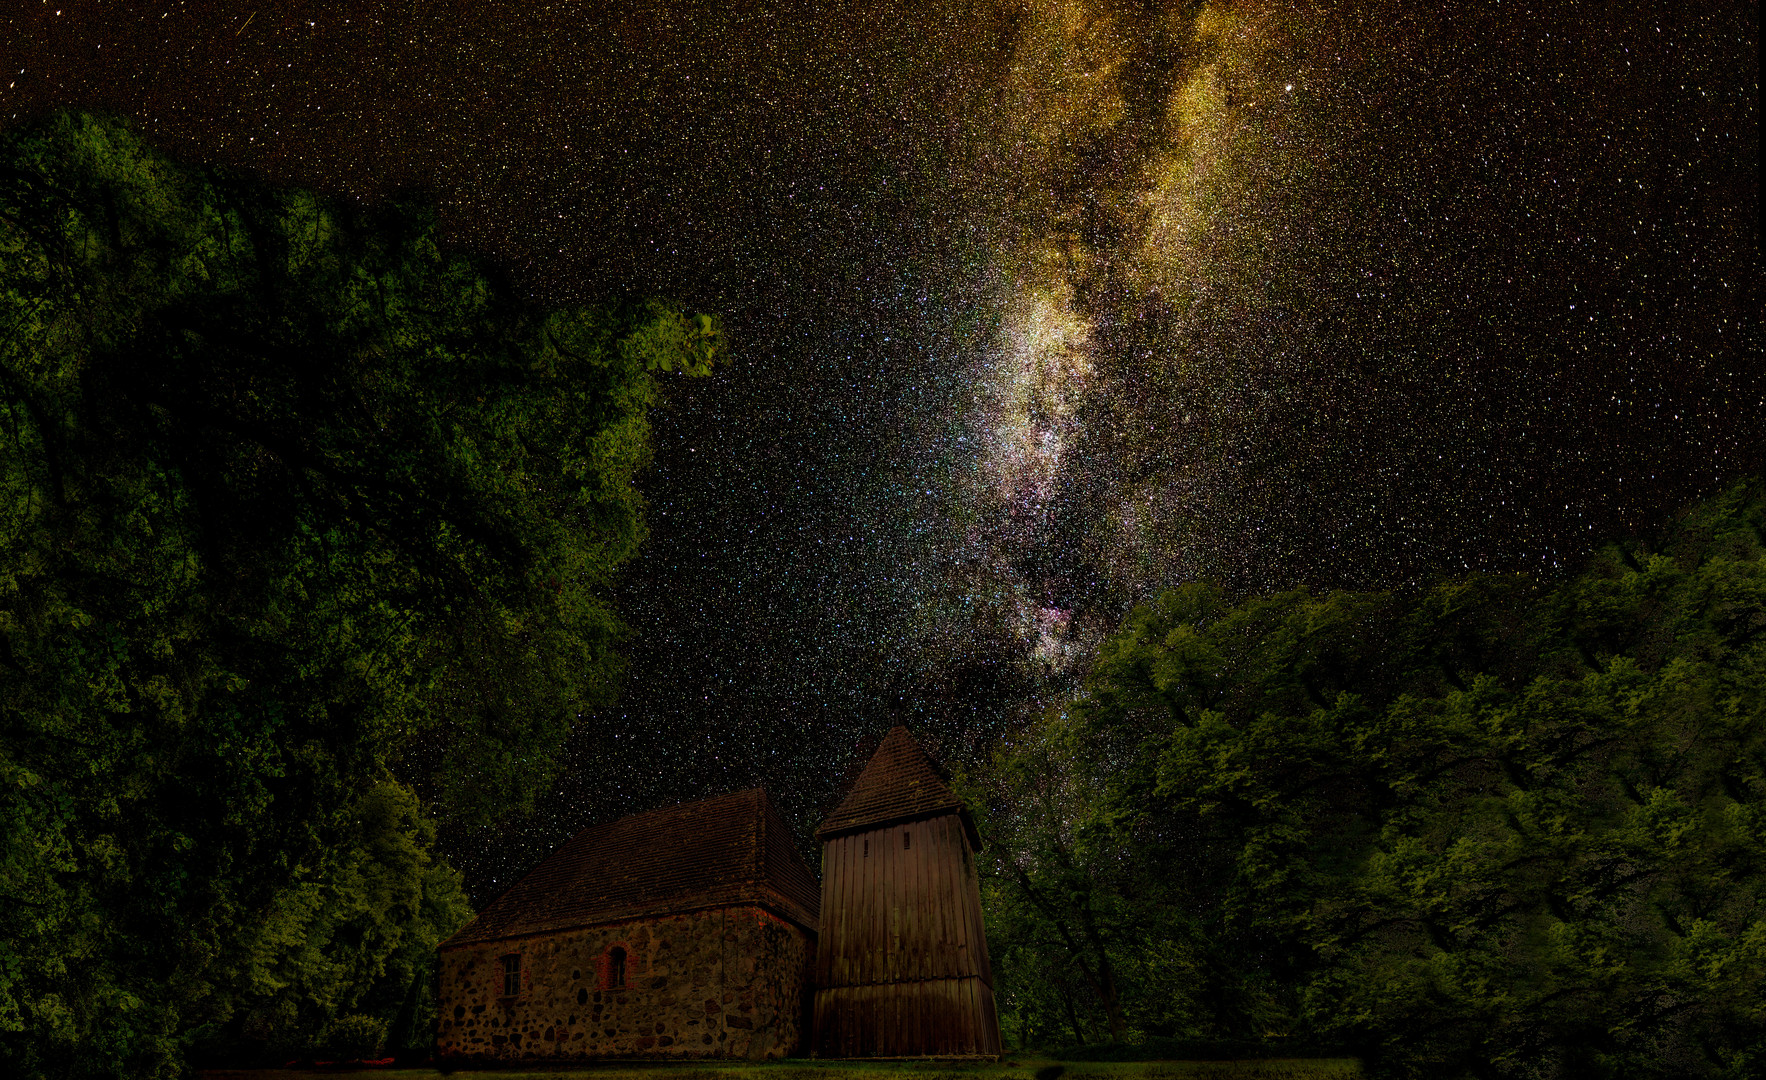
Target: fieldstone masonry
(726, 982)
(691, 931)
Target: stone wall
(730, 982)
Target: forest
(1501, 826)
(307, 540)
(305, 535)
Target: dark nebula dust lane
(1040, 307)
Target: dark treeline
(1502, 827)
(306, 530)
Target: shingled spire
(899, 784)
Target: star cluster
(1039, 306)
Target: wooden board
(929, 1018)
(901, 964)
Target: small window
(907, 840)
(616, 968)
(512, 975)
(867, 847)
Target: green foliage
(360, 932)
(355, 1036)
(1498, 829)
(299, 514)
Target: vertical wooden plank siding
(829, 934)
(831, 949)
(876, 902)
(937, 938)
(969, 889)
(849, 914)
(961, 950)
(830, 931)
(962, 945)
(913, 957)
(902, 965)
(825, 934)
(926, 1027)
(893, 867)
(843, 913)
(968, 902)
(855, 913)
(863, 911)
(937, 949)
(858, 913)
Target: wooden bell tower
(901, 964)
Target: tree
(1499, 827)
(1056, 892)
(300, 514)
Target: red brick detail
(604, 966)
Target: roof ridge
(688, 853)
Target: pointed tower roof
(899, 784)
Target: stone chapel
(698, 930)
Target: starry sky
(1038, 306)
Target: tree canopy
(306, 523)
(1499, 827)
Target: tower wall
(901, 961)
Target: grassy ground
(1010, 1068)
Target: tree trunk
(1104, 982)
(1098, 974)
(1072, 1018)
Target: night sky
(1038, 307)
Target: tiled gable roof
(730, 849)
(899, 784)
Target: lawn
(1011, 1068)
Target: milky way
(1039, 307)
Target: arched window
(512, 975)
(616, 967)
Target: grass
(1015, 1067)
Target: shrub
(356, 1036)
